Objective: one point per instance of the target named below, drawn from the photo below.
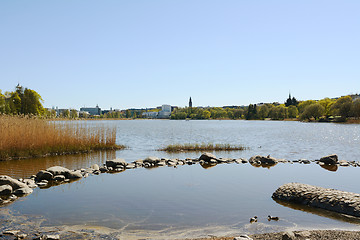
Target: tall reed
(24, 136)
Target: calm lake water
(190, 200)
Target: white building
(165, 111)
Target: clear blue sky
(141, 53)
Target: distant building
(190, 103)
(150, 114)
(165, 111)
(92, 111)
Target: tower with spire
(190, 103)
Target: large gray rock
(116, 163)
(263, 160)
(152, 160)
(5, 190)
(58, 170)
(44, 175)
(330, 159)
(95, 167)
(207, 157)
(15, 184)
(325, 198)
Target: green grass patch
(188, 147)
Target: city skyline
(127, 54)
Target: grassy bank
(24, 137)
(201, 147)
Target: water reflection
(24, 168)
(208, 165)
(332, 168)
(263, 165)
(320, 212)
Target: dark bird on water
(273, 218)
(253, 219)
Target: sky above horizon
(141, 54)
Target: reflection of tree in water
(320, 212)
(332, 168)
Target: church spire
(190, 103)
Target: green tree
(2, 103)
(73, 113)
(342, 107)
(206, 114)
(264, 111)
(314, 110)
(356, 108)
(293, 111)
(327, 103)
(65, 113)
(31, 102)
(302, 105)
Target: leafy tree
(356, 108)
(65, 113)
(2, 103)
(327, 103)
(73, 113)
(314, 110)
(264, 111)
(31, 102)
(302, 105)
(342, 107)
(206, 114)
(293, 111)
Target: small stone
(11, 232)
(52, 237)
(288, 236)
(243, 237)
(21, 236)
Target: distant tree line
(310, 110)
(28, 102)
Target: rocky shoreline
(11, 189)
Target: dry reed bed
(24, 136)
(188, 147)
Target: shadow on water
(24, 168)
(320, 212)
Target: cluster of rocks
(17, 234)
(11, 189)
(325, 198)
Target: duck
(273, 218)
(253, 219)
